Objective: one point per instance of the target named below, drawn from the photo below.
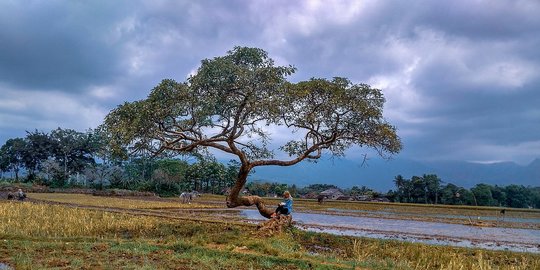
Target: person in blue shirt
(285, 207)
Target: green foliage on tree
(73, 150)
(518, 196)
(233, 100)
(268, 189)
(428, 189)
(482, 194)
(363, 190)
(38, 149)
(52, 157)
(12, 155)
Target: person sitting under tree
(284, 207)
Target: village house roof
(330, 191)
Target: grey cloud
(463, 123)
(472, 19)
(448, 54)
(57, 45)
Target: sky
(461, 78)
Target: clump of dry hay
(274, 225)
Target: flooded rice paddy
(498, 218)
(439, 233)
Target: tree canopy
(232, 103)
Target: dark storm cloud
(461, 78)
(68, 46)
(57, 44)
(479, 20)
(486, 116)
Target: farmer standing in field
(285, 207)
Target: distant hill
(379, 173)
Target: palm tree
(399, 181)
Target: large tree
(234, 101)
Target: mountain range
(378, 174)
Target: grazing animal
(188, 196)
(320, 199)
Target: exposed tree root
(274, 225)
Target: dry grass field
(46, 236)
(113, 202)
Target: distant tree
(293, 189)
(317, 188)
(196, 174)
(450, 194)
(51, 170)
(117, 177)
(174, 168)
(517, 196)
(408, 190)
(233, 167)
(263, 188)
(499, 195)
(535, 197)
(482, 193)
(259, 188)
(433, 186)
(428, 189)
(419, 190)
(130, 175)
(4, 162)
(230, 100)
(38, 150)
(391, 196)
(12, 155)
(399, 181)
(169, 176)
(100, 175)
(466, 197)
(74, 150)
(355, 190)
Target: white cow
(188, 196)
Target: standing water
(4, 266)
(523, 240)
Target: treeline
(271, 189)
(429, 189)
(68, 158)
(425, 189)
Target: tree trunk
(65, 166)
(234, 199)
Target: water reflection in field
(488, 218)
(527, 240)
